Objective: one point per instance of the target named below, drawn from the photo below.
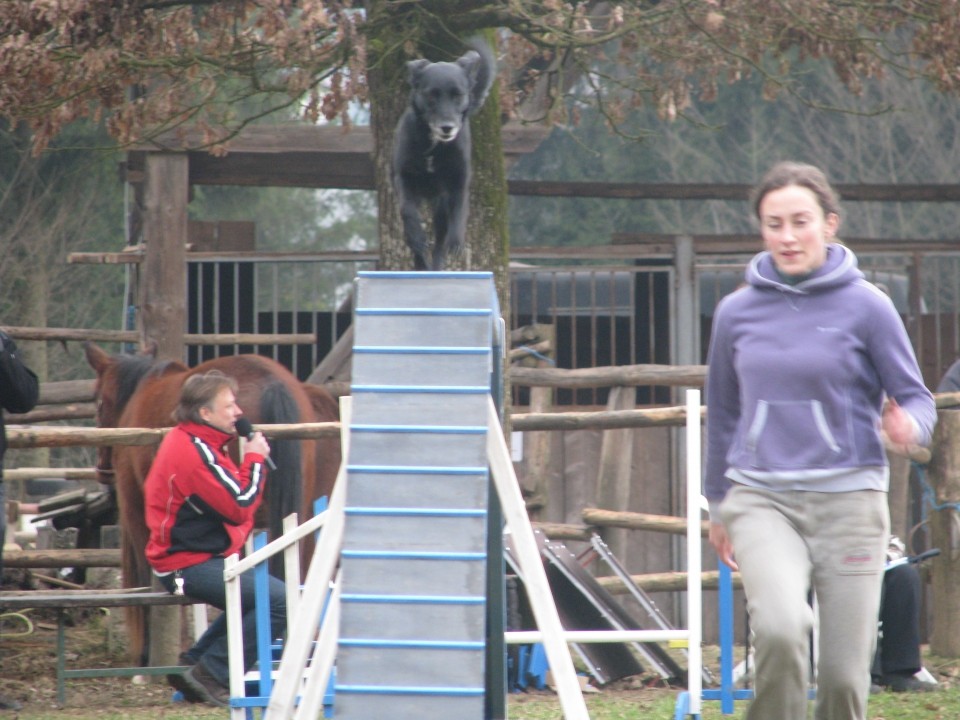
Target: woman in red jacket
(200, 508)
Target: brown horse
(140, 391)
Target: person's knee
(782, 628)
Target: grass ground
(27, 672)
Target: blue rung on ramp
(414, 555)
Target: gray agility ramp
(413, 559)
(398, 603)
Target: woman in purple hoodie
(809, 367)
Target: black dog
(431, 158)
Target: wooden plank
(72, 334)
(49, 413)
(58, 473)
(132, 336)
(623, 247)
(89, 599)
(666, 582)
(20, 436)
(337, 363)
(66, 391)
(25, 436)
(105, 258)
(60, 559)
(640, 245)
(299, 155)
(719, 191)
(251, 339)
(332, 170)
(639, 521)
(612, 376)
(604, 420)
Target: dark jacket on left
(19, 387)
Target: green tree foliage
(67, 200)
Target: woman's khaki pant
(787, 543)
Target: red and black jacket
(198, 504)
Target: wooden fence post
(163, 299)
(538, 445)
(616, 468)
(163, 293)
(944, 476)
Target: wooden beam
(639, 521)
(163, 284)
(61, 558)
(132, 336)
(611, 376)
(57, 473)
(26, 436)
(640, 245)
(73, 334)
(251, 339)
(624, 247)
(299, 155)
(665, 582)
(134, 257)
(49, 413)
(66, 391)
(718, 191)
(603, 420)
(564, 531)
(20, 436)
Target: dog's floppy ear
(414, 70)
(470, 62)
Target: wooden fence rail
(132, 336)
(19, 436)
(611, 376)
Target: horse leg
(133, 540)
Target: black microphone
(245, 429)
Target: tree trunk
(387, 78)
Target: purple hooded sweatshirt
(797, 378)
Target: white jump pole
(694, 555)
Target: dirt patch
(95, 638)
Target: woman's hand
(897, 425)
(257, 443)
(721, 543)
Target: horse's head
(117, 379)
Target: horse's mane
(132, 369)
